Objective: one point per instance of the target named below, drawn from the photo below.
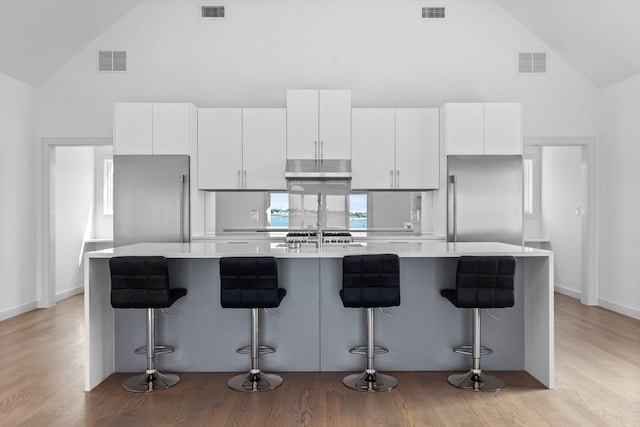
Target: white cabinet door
(171, 128)
(502, 128)
(264, 135)
(132, 128)
(335, 124)
(464, 128)
(417, 148)
(219, 148)
(373, 148)
(302, 124)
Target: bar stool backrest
(140, 282)
(249, 282)
(485, 282)
(370, 281)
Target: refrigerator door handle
(454, 208)
(182, 180)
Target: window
(107, 187)
(278, 210)
(358, 211)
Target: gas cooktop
(327, 237)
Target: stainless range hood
(321, 169)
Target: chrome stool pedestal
(255, 380)
(370, 380)
(475, 379)
(151, 379)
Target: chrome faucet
(319, 230)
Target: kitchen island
(312, 330)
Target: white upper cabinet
(264, 142)
(172, 128)
(503, 128)
(373, 148)
(482, 128)
(132, 128)
(417, 148)
(395, 148)
(318, 124)
(241, 149)
(146, 128)
(220, 148)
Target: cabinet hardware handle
(322, 149)
(398, 179)
(315, 149)
(391, 178)
(240, 179)
(244, 184)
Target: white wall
(619, 187)
(561, 191)
(17, 197)
(74, 173)
(383, 51)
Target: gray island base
(312, 330)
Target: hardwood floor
(597, 384)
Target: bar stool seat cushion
(142, 282)
(249, 283)
(370, 281)
(483, 282)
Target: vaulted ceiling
(600, 38)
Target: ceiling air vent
(532, 62)
(433, 13)
(112, 60)
(212, 11)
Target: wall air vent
(212, 11)
(112, 60)
(532, 62)
(433, 13)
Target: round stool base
(370, 382)
(254, 382)
(146, 383)
(476, 382)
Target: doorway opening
(73, 215)
(562, 211)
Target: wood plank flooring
(597, 384)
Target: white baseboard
(619, 308)
(15, 311)
(69, 293)
(568, 292)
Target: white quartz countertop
(411, 249)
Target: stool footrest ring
(159, 349)
(262, 349)
(468, 350)
(363, 350)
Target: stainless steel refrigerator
(150, 199)
(485, 199)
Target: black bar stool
(370, 281)
(481, 282)
(251, 282)
(143, 282)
